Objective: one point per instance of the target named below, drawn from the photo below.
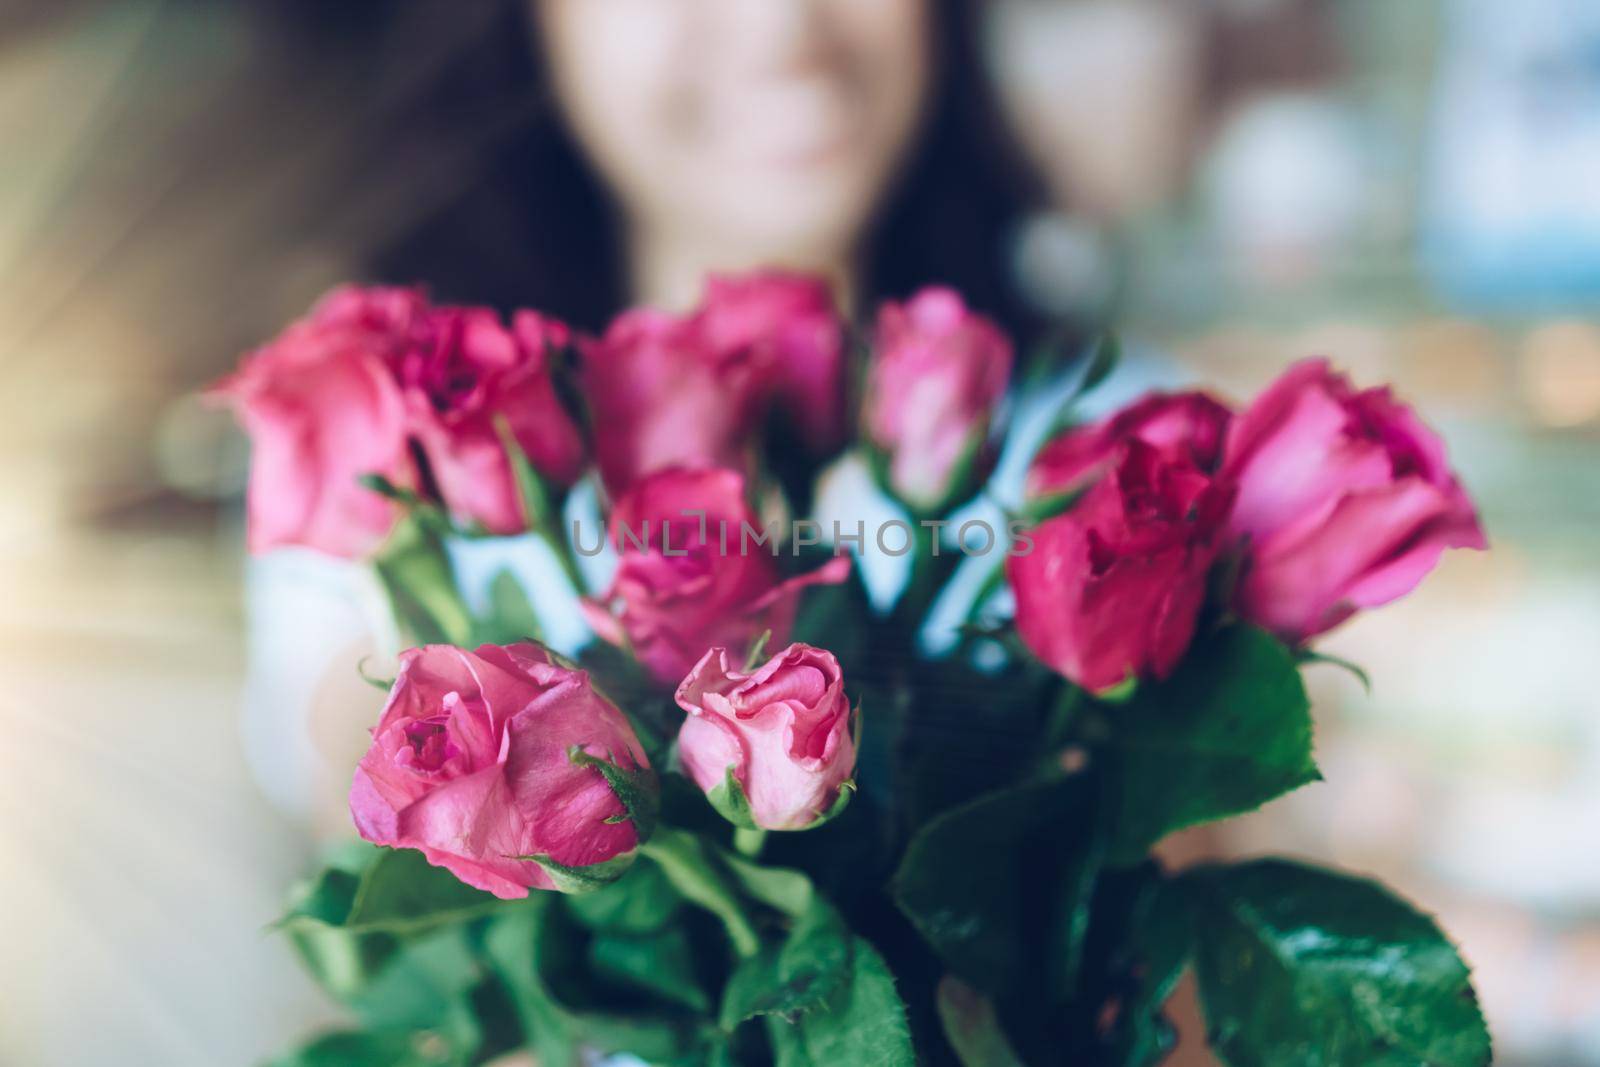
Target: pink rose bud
(939, 372)
(1183, 425)
(773, 749)
(661, 398)
(1346, 500)
(465, 374)
(1112, 588)
(686, 582)
(323, 411)
(787, 327)
(505, 768)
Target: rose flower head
(507, 768)
(772, 749)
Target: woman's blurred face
(768, 128)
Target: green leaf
(967, 732)
(511, 615)
(1308, 656)
(972, 1027)
(992, 583)
(864, 1022)
(1102, 361)
(1158, 944)
(359, 1049)
(538, 953)
(397, 892)
(728, 797)
(1229, 731)
(1048, 505)
(847, 788)
(660, 964)
(1305, 966)
(696, 872)
(328, 895)
(415, 571)
(585, 879)
(758, 649)
(382, 935)
(514, 945)
(1066, 913)
(538, 510)
(426, 511)
(386, 935)
(795, 976)
(788, 1044)
(403, 893)
(412, 987)
(805, 970)
(1000, 886)
(384, 684)
(637, 788)
(425, 984)
(1043, 359)
(641, 903)
(342, 963)
(780, 888)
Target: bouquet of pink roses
(771, 810)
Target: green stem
(694, 872)
(541, 504)
(922, 586)
(557, 540)
(1062, 718)
(749, 842)
(992, 582)
(414, 569)
(925, 565)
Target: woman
(650, 142)
(854, 138)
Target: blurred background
(1410, 188)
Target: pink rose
(692, 390)
(782, 734)
(1345, 498)
(463, 371)
(322, 410)
(684, 583)
(787, 327)
(661, 398)
(391, 311)
(938, 373)
(1190, 425)
(1111, 589)
(484, 760)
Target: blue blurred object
(1511, 211)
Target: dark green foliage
(986, 900)
(1304, 966)
(1229, 731)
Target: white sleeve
(304, 613)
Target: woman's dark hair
(530, 224)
